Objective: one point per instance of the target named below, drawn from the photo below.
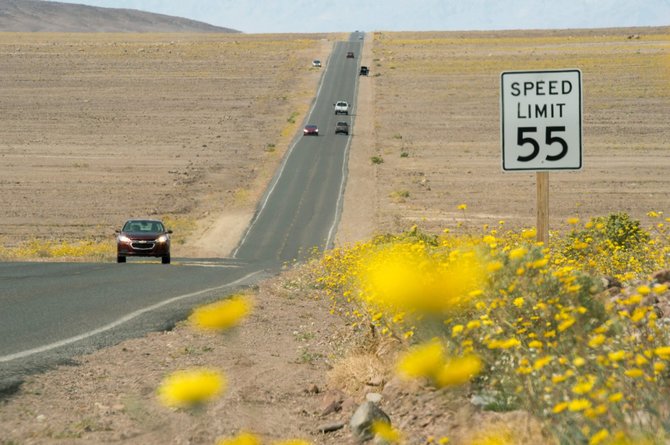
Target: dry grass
(440, 92)
(97, 128)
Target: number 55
(549, 139)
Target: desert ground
(97, 128)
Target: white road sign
(541, 120)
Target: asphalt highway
(52, 312)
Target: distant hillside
(47, 16)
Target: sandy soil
(98, 128)
(432, 96)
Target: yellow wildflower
(457, 371)
(597, 340)
(462, 206)
(529, 234)
(535, 344)
(223, 314)
(663, 352)
(617, 356)
(634, 373)
(579, 404)
(641, 360)
(423, 360)
(474, 324)
(560, 407)
(644, 290)
(573, 221)
(542, 362)
(559, 378)
(457, 330)
(241, 439)
(386, 432)
(584, 387)
(494, 266)
(518, 302)
(504, 344)
(659, 367)
(192, 387)
(599, 437)
(616, 397)
(518, 253)
(566, 324)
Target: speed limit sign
(541, 120)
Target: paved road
(50, 312)
(304, 199)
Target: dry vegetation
(97, 128)
(436, 99)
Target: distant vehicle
(310, 130)
(316, 63)
(364, 70)
(342, 127)
(143, 238)
(341, 107)
(350, 55)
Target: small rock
(373, 397)
(41, 418)
(312, 390)
(330, 427)
(662, 276)
(362, 420)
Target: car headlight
(124, 239)
(162, 239)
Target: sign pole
(543, 207)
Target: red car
(143, 237)
(310, 130)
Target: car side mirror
(169, 231)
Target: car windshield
(143, 226)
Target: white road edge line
(120, 321)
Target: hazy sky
(283, 16)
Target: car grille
(143, 245)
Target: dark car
(364, 70)
(143, 237)
(342, 127)
(310, 130)
(350, 55)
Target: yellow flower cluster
(97, 250)
(534, 314)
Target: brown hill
(47, 16)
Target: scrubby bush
(530, 326)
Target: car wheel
(165, 259)
(120, 259)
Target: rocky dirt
(77, 147)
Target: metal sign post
(541, 128)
